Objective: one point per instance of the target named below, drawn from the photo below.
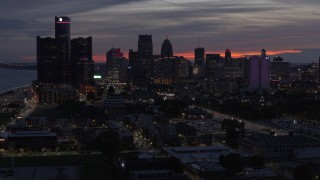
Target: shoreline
(14, 79)
(14, 89)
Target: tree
(256, 161)
(232, 162)
(111, 90)
(109, 143)
(91, 96)
(306, 171)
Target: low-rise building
(271, 146)
(200, 162)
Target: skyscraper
(143, 68)
(228, 57)
(145, 47)
(166, 48)
(259, 72)
(166, 70)
(47, 64)
(62, 36)
(81, 49)
(263, 53)
(198, 67)
(63, 63)
(211, 61)
(116, 66)
(82, 63)
(199, 56)
(133, 56)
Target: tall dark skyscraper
(82, 67)
(62, 36)
(199, 56)
(145, 46)
(166, 48)
(81, 49)
(133, 56)
(143, 68)
(228, 57)
(259, 72)
(198, 67)
(116, 66)
(263, 53)
(319, 71)
(47, 64)
(65, 64)
(211, 61)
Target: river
(15, 78)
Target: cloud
(243, 26)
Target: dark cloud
(245, 25)
(13, 24)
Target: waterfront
(15, 78)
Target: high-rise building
(228, 57)
(166, 70)
(199, 56)
(277, 59)
(63, 65)
(83, 65)
(263, 53)
(319, 71)
(211, 61)
(166, 48)
(62, 36)
(198, 67)
(143, 67)
(81, 49)
(116, 66)
(47, 64)
(184, 68)
(259, 72)
(145, 47)
(133, 56)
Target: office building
(263, 53)
(279, 146)
(116, 66)
(145, 46)
(81, 49)
(166, 70)
(199, 56)
(143, 68)
(259, 75)
(62, 36)
(184, 68)
(228, 57)
(280, 70)
(211, 61)
(47, 62)
(83, 65)
(56, 94)
(166, 49)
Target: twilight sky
(290, 28)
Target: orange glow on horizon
(29, 58)
(99, 58)
(190, 55)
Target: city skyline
(283, 28)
